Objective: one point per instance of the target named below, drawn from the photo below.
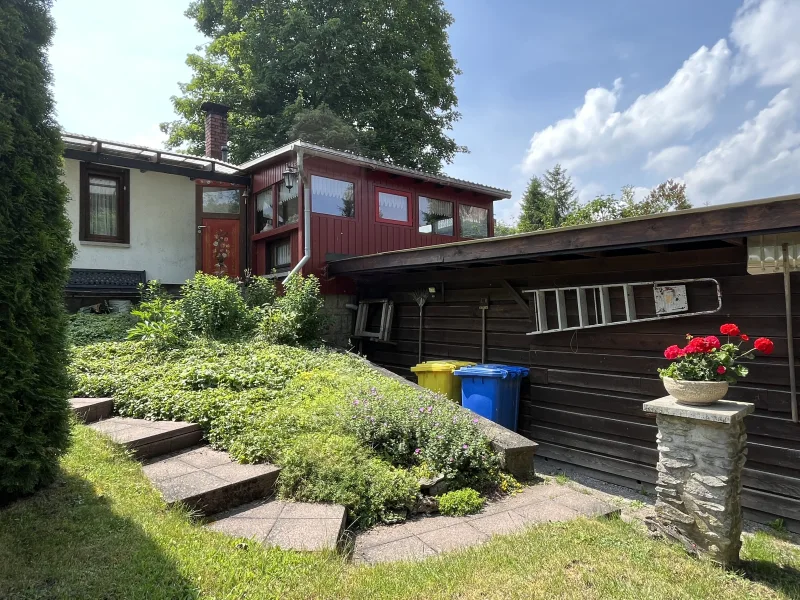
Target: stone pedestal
(701, 452)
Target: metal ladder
(601, 298)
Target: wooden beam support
(735, 241)
(515, 295)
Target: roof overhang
(377, 165)
(731, 221)
(119, 154)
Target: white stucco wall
(162, 240)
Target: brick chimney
(216, 129)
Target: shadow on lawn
(65, 541)
(781, 578)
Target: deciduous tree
(383, 66)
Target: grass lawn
(103, 532)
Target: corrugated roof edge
(578, 228)
(325, 152)
(90, 138)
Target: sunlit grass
(103, 532)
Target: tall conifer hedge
(34, 256)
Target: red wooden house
(309, 204)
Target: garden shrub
(259, 291)
(159, 323)
(303, 306)
(88, 328)
(459, 503)
(214, 307)
(301, 409)
(35, 253)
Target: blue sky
(620, 91)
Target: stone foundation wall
(699, 482)
(341, 320)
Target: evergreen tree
(558, 188)
(538, 210)
(35, 252)
(384, 66)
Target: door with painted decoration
(220, 229)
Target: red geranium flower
(729, 329)
(721, 369)
(745, 337)
(673, 352)
(764, 345)
(713, 341)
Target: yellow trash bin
(437, 375)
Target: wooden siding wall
(583, 399)
(363, 234)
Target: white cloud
(669, 161)
(599, 133)
(766, 34)
(760, 159)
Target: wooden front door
(220, 247)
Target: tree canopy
(667, 196)
(384, 67)
(547, 201)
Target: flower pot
(695, 393)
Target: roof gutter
(306, 217)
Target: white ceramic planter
(695, 393)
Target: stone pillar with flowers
(702, 443)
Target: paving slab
(288, 525)
(430, 535)
(209, 481)
(147, 439)
(89, 410)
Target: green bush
(334, 468)
(296, 408)
(88, 328)
(302, 304)
(35, 253)
(259, 291)
(160, 324)
(214, 307)
(459, 503)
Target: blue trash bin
(492, 391)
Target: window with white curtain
(332, 197)
(393, 206)
(104, 196)
(264, 218)
(281, 254)
(288, 205)
(435, 216)
(474, 221)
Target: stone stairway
(234, 497)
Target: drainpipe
(787, 292)
(306, 217)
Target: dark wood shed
(582, 402)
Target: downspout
(787, 292)
(306, 217)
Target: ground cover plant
(341, 431)
(103, 532)
(90, 328)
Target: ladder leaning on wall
(670, 299)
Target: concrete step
(147, 439)
(89, 410)
(209, 481)
(288, 525)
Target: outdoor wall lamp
(290, 177)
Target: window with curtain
(435, 216)
(281, 255)
(221, 200)
(474, 221)
(104, 201)
(264, 217)
(288, 205)
(393, 207)
(332, 197)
